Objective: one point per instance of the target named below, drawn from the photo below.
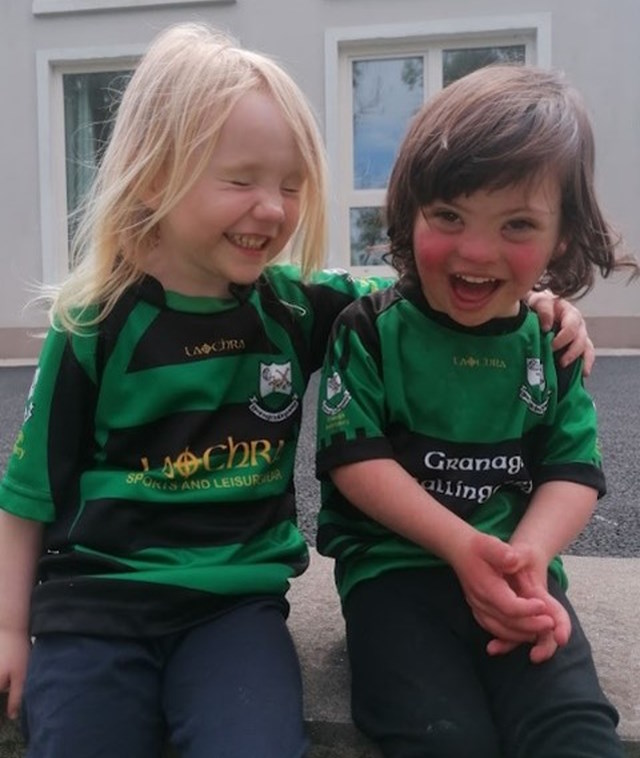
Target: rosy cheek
(527, 262)
(431, 248)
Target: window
(378, 84)
(78, 94)
(90, 104)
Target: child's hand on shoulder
(572, 333)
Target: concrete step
(604, 591)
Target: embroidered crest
(536, 395)
(337, 397)
(275, 379)
(535, 373)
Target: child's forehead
(256, 136)
(459, 182)
(541, 195)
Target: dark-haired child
(458, 457)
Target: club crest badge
(275, 380)
(275, 377)
(337, 397)
(535, 373)
(534, 393)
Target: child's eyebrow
(529, 209)
(516, 209)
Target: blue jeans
(228, 688)
(423, 684)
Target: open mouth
(473, 290)
(249, 241)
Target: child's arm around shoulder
(20, 541)
(572, 335)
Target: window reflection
(90, 104)
(459, 63)
(368, 233)
(386, 93)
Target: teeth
(475, 279)
(252, 241)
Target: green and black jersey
(478, 416)
(159, 449)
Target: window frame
(46, 7)
(51, 65)
(428, 39)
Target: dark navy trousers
(423, 684)
(228, 688)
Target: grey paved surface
(614, 384)
(615, 527)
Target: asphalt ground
(614, 531)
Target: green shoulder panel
(26, 489)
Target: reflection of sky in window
(386, 93)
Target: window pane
(458, 63)
(386, 93)
(368, 231)
(90, 103)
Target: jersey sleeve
(570, 449)
(54, 435)
(330, 291)
(351, 400)
(316, 302)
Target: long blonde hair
(171, 114)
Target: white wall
(594, 41)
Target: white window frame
(343, 45)
(44, 7)
(51, 65)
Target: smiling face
(241, 211)
(477, 256)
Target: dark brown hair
(502, 126)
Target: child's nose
(478, 248)
(270, 206)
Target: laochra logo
(337, 397)
(222, 345)
(534, 393)
(473, 361)
(227, 454)
(275, 379)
